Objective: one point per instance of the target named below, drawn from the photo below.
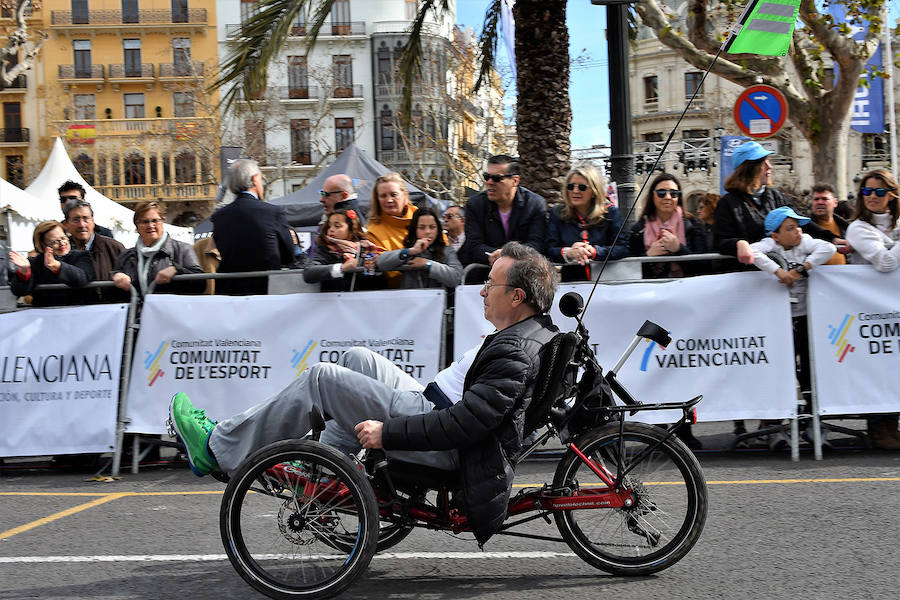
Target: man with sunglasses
(469, 418)
(503, 212)
(72, 190)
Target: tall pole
(621, 157)
(888, 62)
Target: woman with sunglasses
(583, 228)
(665, 228)
(55, 262)
(875, 238)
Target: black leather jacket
(486, 425)
(484, 229)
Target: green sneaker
(192, 428)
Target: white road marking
(214, 557)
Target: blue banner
(867, 110)
(727, 143)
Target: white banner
(731, 342)
(59, 379)
(854, 322)
(229, 353)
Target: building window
(185, 168)
(412, 9)
(12, 120)
(84, 164)
(387, 129)
(340, 17)
(691, 83)
(651, 89)
(343, 76)
(135, 169)
(343, 133)
(132, 54)
(80, 15)
(383, 66)
(298, 82)
(181, 56)
(85, 106)
(179, 11)
(134, 106)
(300, 147)
(183, 104)
(130, 12)
(299, 25)
(81, 50)
(653, 137)
(249, 9)
(695, 134)
(15, 170)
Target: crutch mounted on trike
(300, 519)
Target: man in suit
(250, 234)
(503, 212)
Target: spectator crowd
(399, 245)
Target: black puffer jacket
(486, 425)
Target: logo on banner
(708, 352)
(151, 363)
(299, 358)
(837, 335)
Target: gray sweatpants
(362, 385)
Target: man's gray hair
(533, 273)
(71, 205)
(239, 177)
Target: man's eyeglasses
(58, 243)
(880, 192)
(672, 193)
(489, 284)
(149, 221)
(448, 216)
(86, 219)
(496, 177)
(67, 198)
(582, 187)
(325, 194)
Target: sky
(589, 88)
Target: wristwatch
(404, 255)
(800, 268)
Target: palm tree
(543, 111)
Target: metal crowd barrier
(613, 269)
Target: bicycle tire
(665, 521)
(293, 558)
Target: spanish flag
(81, 134)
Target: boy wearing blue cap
(790, 254)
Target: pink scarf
(653, 227)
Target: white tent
(22, 212)
(59, 169)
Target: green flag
(765, 27)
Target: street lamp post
(621, 152)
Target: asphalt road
(776, 529)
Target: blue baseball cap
(748, 151)
(777, 216)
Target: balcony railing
(125, 71)
(19, 83)
(351, 28)
(177, 127)
(164, 191)
(78, 72)
(403, 27)
(116, 17)
(14, 134)
(190, 69)
(310, 92)
(419, 91)
(347, 91)
(233, 30)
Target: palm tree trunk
(543, 113)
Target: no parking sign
(760, 111)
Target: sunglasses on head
(497, 177)
(880, 192)
(582, 187)
(673, 193)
